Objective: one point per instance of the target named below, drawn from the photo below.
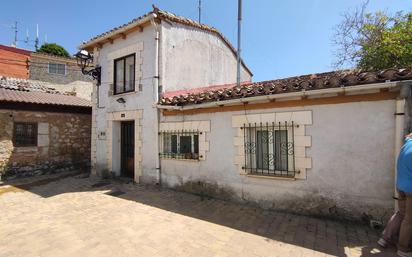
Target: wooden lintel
(291, 103)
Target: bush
(53, 49)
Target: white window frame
(167, 137)
(56, 73)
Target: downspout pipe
(156, 93)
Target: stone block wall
(39, 69)
(63, 143)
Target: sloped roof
(15, 49)
(334, 79)
(163, 15)
(36, 92)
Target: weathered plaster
(300, 139)
(351, 149)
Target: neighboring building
(62, 73)
(41, 129)
(322, 144)
(55, 69)
(14, 62)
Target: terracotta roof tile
(334, 79)
(36, 92)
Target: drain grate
(101, 184)
(115, 193)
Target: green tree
(374, 41)
(53, 49)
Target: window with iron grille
(180, 144)
(25, 134)
(57, 68)
(124, 74)
(269, 149)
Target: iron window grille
(25, 134)
(183, 144)
(269, 149)
(57, 68)
(124, 74)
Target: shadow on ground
(330, 237)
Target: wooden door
(127, 148)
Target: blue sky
(280, 38)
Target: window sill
(25, 149)
(175, 159)
(125, 93)
(269, 177)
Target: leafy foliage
(373, 41)
(53, 49)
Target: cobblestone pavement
(74, 216)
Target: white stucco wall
(143, 45)
(188, 58)
(196, 58)
(352, 162)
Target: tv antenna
(15, 33)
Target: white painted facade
(196, 58)
(344, 152)
(350, 153)
(169, 56)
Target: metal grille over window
(269, 149)
(25, 134)
(180, 144)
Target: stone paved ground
(70, 217)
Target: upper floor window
(57, 68)
(25, 134)
(124, 72)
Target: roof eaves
(117, 30)
(157, 13)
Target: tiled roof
(26, 85)
(36, 92)
(334, 79)
(15, 50)
(161, 14)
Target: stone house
(168, 112)
(61, 73)
(42, 130)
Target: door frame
(113, 141)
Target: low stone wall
(63, 143)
